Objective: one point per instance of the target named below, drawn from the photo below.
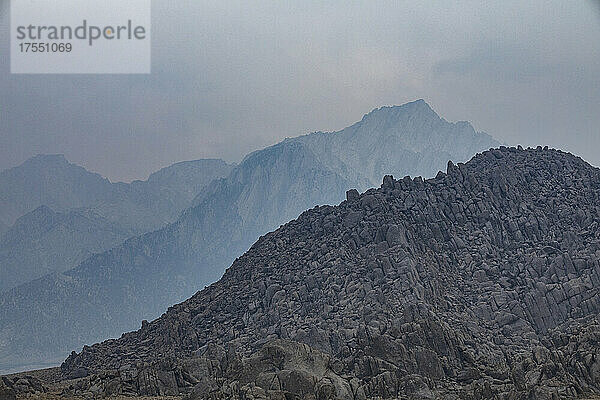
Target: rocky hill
(78, 213)
(481, 283)
(111, 292)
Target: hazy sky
(233, 76)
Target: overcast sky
(230, 77)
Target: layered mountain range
(68, 213)
(48, 180)
(480, 283)
(111, 292)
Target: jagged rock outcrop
(10, 387)
(481, 283)
(109, 293)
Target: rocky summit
(481, 283)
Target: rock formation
(108, 293)
(480, 283)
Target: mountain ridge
(424, 139)
(483, 282)
(267, 189)
(40, 175)
(96, 216)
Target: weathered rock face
(480, 283)
(138, 279)
(7, 392)
(22, 385)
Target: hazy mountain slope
(48, 180)
(153, 203)
(411, 139)
(482, 283)
(110, 292)
(52, 181)
(3, 228)
(46, 240)
(140, 278)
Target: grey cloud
(230, 77)
(499, 62)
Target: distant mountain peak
(44, 163)
(53, 159)
(411, 139)
(417, 107)
(41, 210)
(44, 156)
(36, 218)
(419, 104)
